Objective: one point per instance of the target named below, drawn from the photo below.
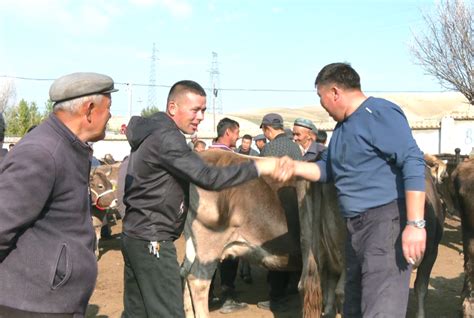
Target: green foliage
(21, 117)
(48, 106)
(148, 111)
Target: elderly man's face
(100, 115)
(302, 136)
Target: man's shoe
(273, 305)
(247, 279)
(231, 305)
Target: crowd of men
(47, 255)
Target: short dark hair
(321, 136)
(224, 124)
(248, 137)
(183, 87)
(338, 73)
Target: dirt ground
(443, 298)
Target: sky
(268, 52)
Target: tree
(48, 106)
(148, 111)
(446, 50)
(21, 117)
(7, 94)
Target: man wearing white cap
(302, 134)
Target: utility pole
(152, 100)
(215, 85)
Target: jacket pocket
(62, 268)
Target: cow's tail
(312, 302)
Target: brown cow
(463, 179)
(103, 198)
(221, 224)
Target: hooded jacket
(159, 172)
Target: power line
(273, 90)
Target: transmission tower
(152, 99)
(216, 95)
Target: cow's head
(102, 192)
(438, 168)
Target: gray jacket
(47, 263)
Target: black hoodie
(159, 172)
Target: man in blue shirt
(378, 171)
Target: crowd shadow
(93, 310)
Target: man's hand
(413, 244)
(284, 170)
(280, 169)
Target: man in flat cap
(46, 235)
(303, 131)
(279, 146)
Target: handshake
(284, 168)
(280, 169)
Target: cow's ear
(108, 172)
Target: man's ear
(87, 110)
(172, 108)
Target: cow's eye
(101, 186)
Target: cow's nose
(114, 204)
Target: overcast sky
(268, 52)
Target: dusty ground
(443, 298)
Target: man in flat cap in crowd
(47, 262)
(280, 145)
(303, 131)
(160, 169)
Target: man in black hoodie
(156, 197)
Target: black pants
(378, 276)
(7, 312)
(278, 281)
(229, 268)
(152, 286)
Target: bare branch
(446, 50)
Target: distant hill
(420, 109)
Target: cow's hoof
(468, 307)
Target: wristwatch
(419, 224)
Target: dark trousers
(7, 312)
(378, 277)
(229, 268)
(278, 281)
(152, 286)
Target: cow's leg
(329, 292)
(97, 223)
(423, 278)
(467, 293)
(340, 292)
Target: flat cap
(271, 118)
(260, 137)
(77, 85)
(306, 123)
